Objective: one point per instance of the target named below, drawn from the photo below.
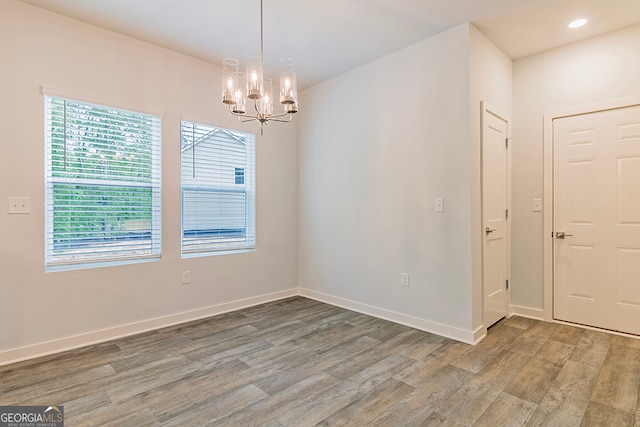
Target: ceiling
(329, 37)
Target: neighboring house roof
(187, 144)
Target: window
(218, 189)
(102, 184)
(239, 175)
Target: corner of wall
(490, 81)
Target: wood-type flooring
(299, 362)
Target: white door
(597, 219)
(494, 215)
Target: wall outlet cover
(19, 205)
(404, 279)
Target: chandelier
(238, 86)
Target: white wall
(377, 146)
(71, 308)
(601, 69)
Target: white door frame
(548, 159)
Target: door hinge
(506, 213)
(507, 283)
(506, 142)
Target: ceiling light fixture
(238, 86)
(578, 23)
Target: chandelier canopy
(238, 86)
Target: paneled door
(494, 215)
(597, 219)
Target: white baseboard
(531, 313)
(479, 334)
(469, 337)
(95, 337)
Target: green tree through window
(103, 183)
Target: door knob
(489, 230)
(562, 235)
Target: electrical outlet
(404, 279)
(186, 277)
(19, 205)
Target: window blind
(218, 189)
(102, 184)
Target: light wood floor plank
(592, 348)
(603, 415)
(362, 411)
(470, 401)
(535, 379)
(271, 407)
(510, 410)
(557, 409)
(619, 379)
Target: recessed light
(578, 23)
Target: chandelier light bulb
(229, 70)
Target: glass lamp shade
(240, 102)
(265, 104)
(288, 84)
(255, 88)
(229, 84)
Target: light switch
(19, 205)
(439, 204)
(537, 205)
